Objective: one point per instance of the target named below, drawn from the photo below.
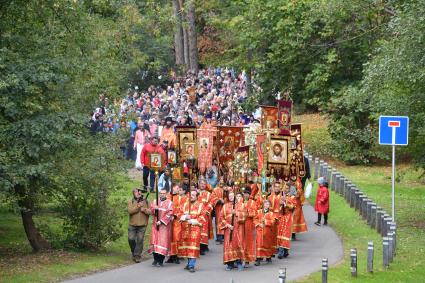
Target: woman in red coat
(322, 201)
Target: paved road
(305, 258)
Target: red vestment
(178, 202)
(322, 200)
(265, 240)
(207, 231)
(190, 240)
(249, 243)
(160, 240)
(298, 224)
(234, 249)
(218, 194)
(275, 208)
(284, 229)
(168, 134)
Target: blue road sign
(393, 130)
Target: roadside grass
(19, 264)
(375, 181)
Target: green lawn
(375, 181)
(19, 264)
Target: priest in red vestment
(275, 199)
(298, 225)
(233, 217)
(160, 243)
(217, 199)
(207, 232)
(265, 241)
(284, 229)
(179, 198)
(192, 219)
(249, 244)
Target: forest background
(350, 61)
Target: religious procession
(232, 176)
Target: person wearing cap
(138, 213)
(168, 134)
(322, 202)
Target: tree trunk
(185, 35)
(193, 44)
(178, 35)
(249, 82)
(35, 239)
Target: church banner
(228, 141)
(285, 116)
(205, 148)
(269, 117)
(186, 140)
(261, 139)
(297, 166)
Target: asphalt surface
(305, 257)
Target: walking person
(138, 213)
(141, 137)
(160, 242)
(322, 201)
(149, 148)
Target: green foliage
(56, 57)
(352, 127)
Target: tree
(192, 38)
(178, 36)
(56, 58)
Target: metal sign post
(393, 130)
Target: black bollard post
(316, 168)
(282, 275)
(353, 196)
(361, 199)
(324, 270)
(334, 173)
(385, 259)
(370, 251)
(373, 216)
(329, 174)
(368, 211)
(336, 184)
(393, 230)
(379, 215)
(390, 247)
(357, 202)
(341, 185)
(353, 262)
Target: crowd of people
(252, 225)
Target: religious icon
(293, 143)
(177, 174)
(204, 143)
(189, 149)
(172, 158)
(278, 152)
(155, 161)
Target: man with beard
(168, 133)
(218, 202)
(192, 219)
(161, 228)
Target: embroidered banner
(269, 117)
(297, 166)
(285, 114)
(186, 141)
(205, 138)
(228, 141)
